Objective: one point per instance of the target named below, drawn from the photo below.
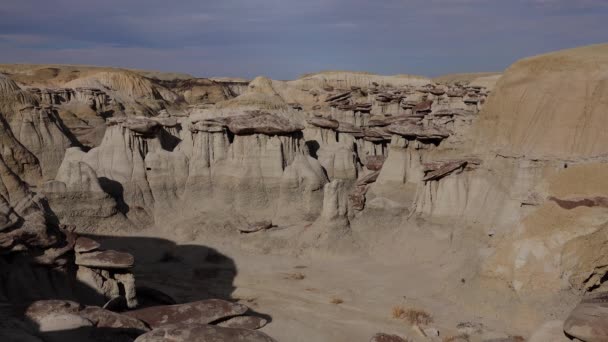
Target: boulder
(201, 312)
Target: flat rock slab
(324, 122)
(84, 245)
(201, 312)
(202, 333)
(105, 259)
(589, 320)
(244, 322)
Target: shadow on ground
(184, 272)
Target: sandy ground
(328, 297)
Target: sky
(283, 39)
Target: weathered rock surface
(244, 322)
(201, 312)
(202, 333)
(589, 320)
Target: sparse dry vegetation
(336, 300)
(456, 338)
(295, 276)
(398, 312)
(412, 316)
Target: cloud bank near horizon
(283, 38)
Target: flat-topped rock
(323, 122)
(84, 245)
(414, 131)
(345, 127)
(376, 134)
(201, 312)
(383, 121)
(589, 320)
(105, 259)
(202, 333)
(262, 123)
(141, 125)
(437, 91)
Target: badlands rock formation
(487, 191)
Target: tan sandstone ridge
(477, 199)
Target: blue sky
(283, 38)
